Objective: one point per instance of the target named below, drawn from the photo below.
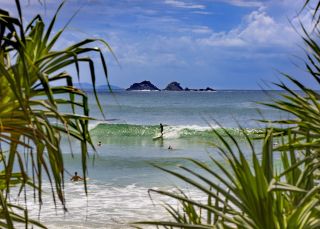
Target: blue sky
(224, 44)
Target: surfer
(76, 177)
(159, 137)
(161, 129)
(170, 147)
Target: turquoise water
(122, 170)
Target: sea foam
(105, 206)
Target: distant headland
(173, 86)
(89, 87)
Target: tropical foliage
(278, 186)
(31, 121)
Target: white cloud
(153, 51)
(202, 12)
(306, 19)
(244, 3)
(263, 29)
(186, 5)
(201, 29)
(222, 40)
(259, 29)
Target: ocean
(123, 171)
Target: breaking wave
(170, 132)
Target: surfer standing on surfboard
(161, 129)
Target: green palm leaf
(30, 114)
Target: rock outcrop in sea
(208, 89)
(173, 86)
(143, 86)
(201, 89)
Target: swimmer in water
(76, 177)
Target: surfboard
(157, 137)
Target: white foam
(94, 123)
(106, 206)
(171, 132)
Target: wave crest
(170, 132)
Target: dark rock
(201, 89)
(174, 86)
(144, 85)
(190, 89)
(209, 89)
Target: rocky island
(173, 86)
(143, 86)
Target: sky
(223, 44)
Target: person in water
(76, 177)
(99, 143)
(170, 147)
(161, 129)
